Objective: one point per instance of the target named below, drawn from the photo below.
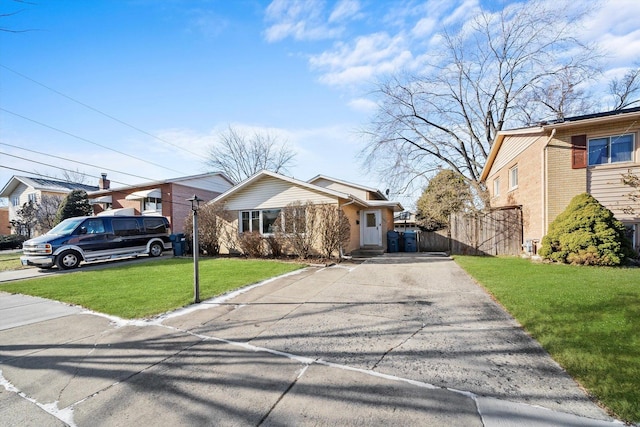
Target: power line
(103, 113)
(170, 202)
(89, 141)
(75, 161)
(52, 166)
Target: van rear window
(125, 227)
(154, 225)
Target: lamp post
(195, 204)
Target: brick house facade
(554, 162)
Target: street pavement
(405, 340)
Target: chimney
(104, 183)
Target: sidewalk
(382, 343)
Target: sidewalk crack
(293, 383)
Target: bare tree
(240, 156)
(46, 210)
(626, 91)
(480, 81)
(298, 223)
(335, 230)
(212, 219)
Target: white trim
(363, 226)
(143, 194)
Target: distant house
(405, 221)
(541, 168)
(167, 198)
(257, 203)
(22, 189)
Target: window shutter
(578, 151)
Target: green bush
(586, 233)
(12, 241)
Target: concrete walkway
(392, 341)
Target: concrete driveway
(392, 341)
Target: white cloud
(363, 59)
(304, 20)
(344, 9)
(363, 105)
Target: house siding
(178, 209)
(343, 188)
(269, 193)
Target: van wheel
(156, 249)
(68, 260)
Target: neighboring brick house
(22, 189)
(5, 226)
(167, 198)
(542, 168)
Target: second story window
(496, 187)
(513, 177)
(611, 149)
(33, 197)
(15, 201)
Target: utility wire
(89, 141)
(58, 179)
(53, 166)
(103, 113)
(75, 161)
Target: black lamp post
(195, 204)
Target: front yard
(148, 289)
(587, 318)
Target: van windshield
(66, 226)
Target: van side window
(125, 227)
(94, 226)
(154, 225)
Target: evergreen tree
(75, 204)
(586, 233)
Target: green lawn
(147, 289)
(10, 261)
(587, 318)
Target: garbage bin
(393, 240)
(410, 241)
(178, 244)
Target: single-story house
(23, 189)
(541, 168)
(257, 202)
(167, 198)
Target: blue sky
(182, 71)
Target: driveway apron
(394, 340)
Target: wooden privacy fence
(497, 232)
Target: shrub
(586, 233)
(252, 244)
(275, 245)
(12, 241)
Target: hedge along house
(541, 168)
(166, 198)
(257, 203)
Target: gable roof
(348, 184)
(305, 184)
(547, 128)
(165, 181)
(44, 184)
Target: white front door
(371, 228)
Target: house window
(496, 187)
(15, 200)
(152, 204)
(611, 149)
(262, 221)
(513, 177)
(33, 197)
